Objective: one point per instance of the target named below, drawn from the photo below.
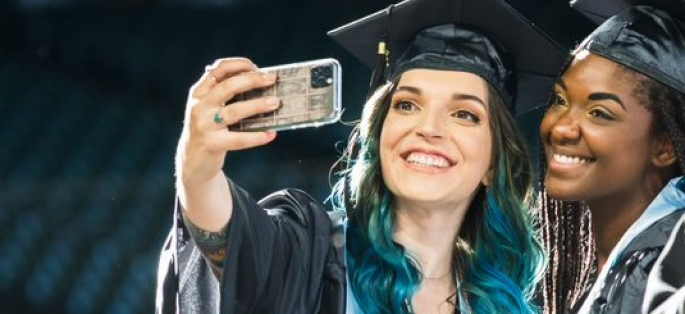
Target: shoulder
(666, 283)
(301, 207)
(657, 234)
(292, 199)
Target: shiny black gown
(285, 255)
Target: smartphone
(309, 92)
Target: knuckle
(218, 62)
(194, 113)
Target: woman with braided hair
(614, 145)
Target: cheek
(546, 124)
(478, 147)
(626, 145)
(391, 133)
(486, 152)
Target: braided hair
(566, 226)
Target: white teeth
(570, 160)
(427, 160)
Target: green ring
(218, 118)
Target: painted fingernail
(270, 135)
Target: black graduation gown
(285, 255)
(666, 283)
(625, 285)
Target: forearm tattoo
(211, 244)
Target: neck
(429, 236)
(612, 217)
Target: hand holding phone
(309, 92)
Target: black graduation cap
(600, 10)
(536, 57)
(645, 37)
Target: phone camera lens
(322, 76)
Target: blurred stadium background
(91, 101)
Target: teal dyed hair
(500, 254)
(381, 275)
(505, 260)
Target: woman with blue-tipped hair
(434, 199)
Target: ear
(664, 152)
(487, 179)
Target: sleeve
(167, 281)
(185, 282)
(280, 259)
(665, 292)
(278, 251)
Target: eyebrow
(455, 96)
(597, 96)
(607, 96)
(410, 89)
(469, 97)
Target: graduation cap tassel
(378, 75)
(382, 57)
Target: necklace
(453, 299)
(449, 272)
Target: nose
(429, 126)
(564, 128)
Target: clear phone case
(309, 92)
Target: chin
(421, 194)
(562, 193)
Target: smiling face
(598, 137)
(436, 142)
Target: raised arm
(201, 184)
